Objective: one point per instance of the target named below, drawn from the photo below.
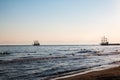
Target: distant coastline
(111, 44)
(56, 45)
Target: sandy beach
(107, 74)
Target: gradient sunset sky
(59, 21)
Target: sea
(27, 62)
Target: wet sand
(107, 74)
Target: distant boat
(104, 41)
(36, 43)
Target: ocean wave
(30, 59)
(88, 51)
(4, 53)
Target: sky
(59, 21)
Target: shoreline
(110, 71)
(107, 74)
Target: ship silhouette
(104, 41)
(36, 43)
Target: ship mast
(104, 41)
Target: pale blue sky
(59, 21)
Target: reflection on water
(39, 62)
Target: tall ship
(36, 43)
(104, 41)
